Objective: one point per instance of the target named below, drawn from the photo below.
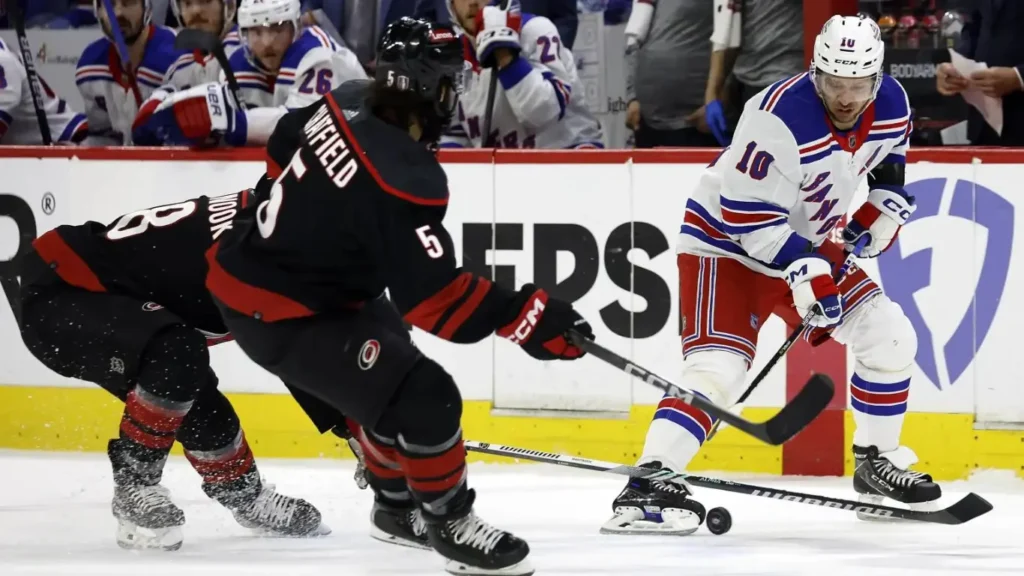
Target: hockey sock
(879, 402)
(383, 472)
(424, 417)
(171, 372)
(676, 433)
(436, 473)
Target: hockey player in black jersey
(357, 207)
(125, 306)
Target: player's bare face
(206, 15)
(467, 10)
(844, 98)
(269, 43)
(130, 16)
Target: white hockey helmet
(254, 13)
(229, 7)
(849, 47)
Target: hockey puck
(719, 521)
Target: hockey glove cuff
(814, 290)
(877, 222)
(541, 324)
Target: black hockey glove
(541, 325)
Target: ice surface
(55, 520)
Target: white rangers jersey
(110, 101)
(789, 170)
(18, 122)
(313, 66)
(538, 102)
(193, 68)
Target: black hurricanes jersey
(356, 208)
(156, 255)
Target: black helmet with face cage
(423, 59)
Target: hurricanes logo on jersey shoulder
(151, 307)
(368, 354)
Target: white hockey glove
(810, 279)
(199, 116)
(875, 225)
(496, 29)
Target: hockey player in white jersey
(283, 65)
(18, 121)
(111, 98)
(754, 241)
(213, 16)
(539, 100)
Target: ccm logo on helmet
(368, 354)
(526, 325)
(845, 62)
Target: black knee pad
(175, 364)
(426, 409)
(211, 424)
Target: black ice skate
(402, 525)
(257, 506)
(887, 475)
(146, 518)
(473, 547)
(654, 507)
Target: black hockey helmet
(424, 59)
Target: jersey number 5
(756, 168)
(266, 214)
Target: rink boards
(598, 228)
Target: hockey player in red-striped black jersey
(357, 208)
(125, 306)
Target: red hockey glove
(541, 325)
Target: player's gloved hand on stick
(201, 115)
(875, 225)
(810, 279)
(496, 29)
(541, 324)
(714, 115)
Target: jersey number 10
(756, 168)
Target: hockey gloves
(541, 325)
(877, 222)
(199, 116)
(714, 115)
(810, 279)
(495, 29)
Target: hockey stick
(793, 417)
(209, 43)
(492, 89)
(34, 85)
(966, 509)
(122, 50)
(790, 340)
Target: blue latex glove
(714, 115)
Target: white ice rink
(55, 520)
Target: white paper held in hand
(991, 108)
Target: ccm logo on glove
(525, 328)
(899, 208)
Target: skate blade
(631, 522)
(378, 534)
(131, 536)
(521, 568)
(879, 500)
(320, 531)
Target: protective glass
(852, 89)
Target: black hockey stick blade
(801, 410)
(793, 417)
(209, 43)
(196, 39)
(966, 509)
